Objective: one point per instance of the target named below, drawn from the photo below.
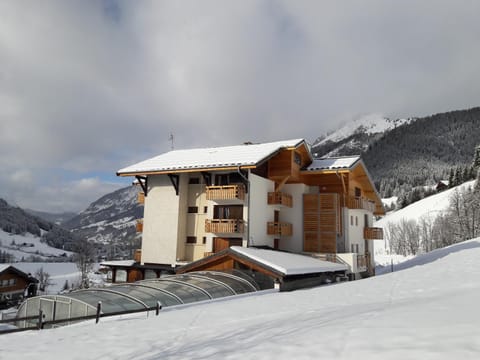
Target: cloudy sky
(89, 87)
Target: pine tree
(465, 175)
(451, 178)
(476, 158)
(457, 179)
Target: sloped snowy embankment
(428, 311)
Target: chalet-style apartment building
(275, 195)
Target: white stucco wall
(260, 211)
(160, 226)
(182, 216)
(294, 215)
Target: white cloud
(94, 86)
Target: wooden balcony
(280, 198)
(360, 203)
(141, 198)
(373, 233)
(139, 225)
(137, 255)
(279, 228)
(361, 262)
(226, 192)
(224, 226)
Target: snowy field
(28, 245)
(428, 310)
(429, 207)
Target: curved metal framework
(169, 291)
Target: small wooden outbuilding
(270, 268)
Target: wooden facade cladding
(373, 233)
(279, 228)
(321, 222)
(226, 192)
(141, 198)
(280, 198)
(287, 164)
(137, 255)
(224, 226)
(139, 225)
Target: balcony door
(228, 212)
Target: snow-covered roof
(217, 157)
(334, 163)
(118, 263)
(288, 263)
(4, 267)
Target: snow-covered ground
(428, 311)
(27, 245)
(429, 207)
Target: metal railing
(40, 323)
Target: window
(191, 239)
(193, 209)
(121, 275)
(297, 158)
(204, 240)
(351, 220)
(358, 192)
(12, 282)
(356, 220)
(194, 180)
(228, 212)
(205, 209)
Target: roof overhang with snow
(276, 264)
(245, 156)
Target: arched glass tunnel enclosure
(169, 291)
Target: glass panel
(111, 302)
(214, 289)
(185, 292)
(239, 286)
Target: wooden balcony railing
(141, 198)
(279, 228)
(361, 261)
(139, 225)
(224, 226)
(280, 198)
(359, 203)
(373, 233)
(137, 255)
(226, 192)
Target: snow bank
(428, 311)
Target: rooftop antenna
(170, 138)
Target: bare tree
(44, 280)
(84, 259)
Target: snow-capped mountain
(109, 220)
(355, 136)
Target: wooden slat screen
(321, 217)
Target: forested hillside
(416, 153)
(15, 220)
(424, 150)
